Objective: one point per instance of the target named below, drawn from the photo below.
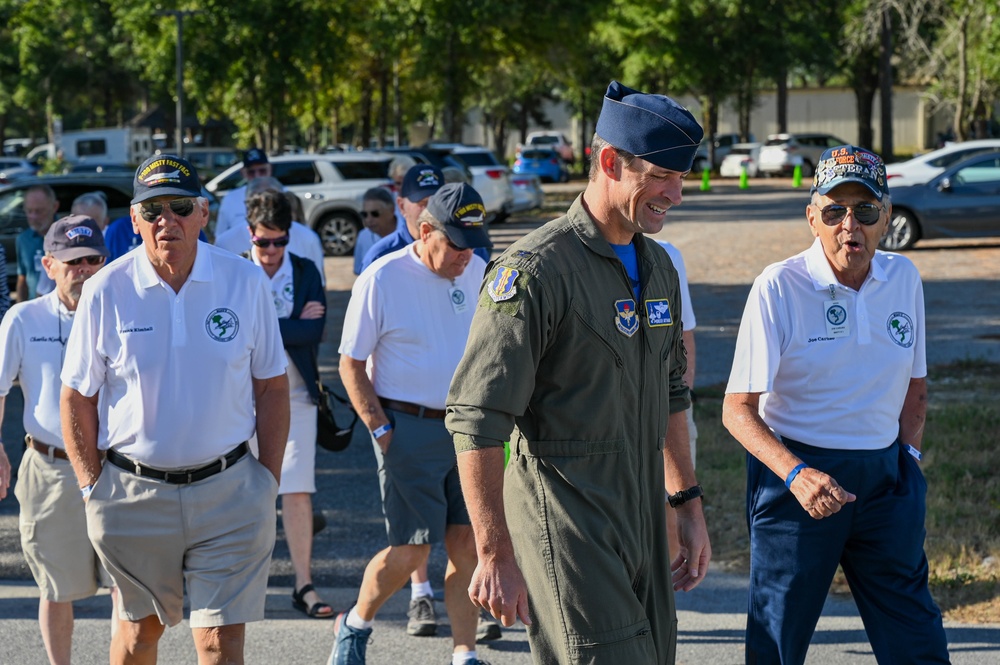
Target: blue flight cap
(653, 127)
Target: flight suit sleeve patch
(504, 290)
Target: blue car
(546, 164)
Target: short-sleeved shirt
(302, 241)
(413, 325)
(832, 371)
(232, 211)
(175, 369)
(393, 242)
(32, 339)
(366, 240)
(30, 250)
(687, 314)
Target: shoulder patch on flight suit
(504, 290)
(658, 313)
(503, 285)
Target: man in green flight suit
(575, 354)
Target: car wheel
(807, 169)
(903, 232)
(339, 232)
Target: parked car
(436, 156)
(723, 145)
(210, 162)
(98, 167)
(741, 155)
(781, 153)
(330, 185)
(12, 168)
(528, 193)
(922, 168)
(961, 202)
(490, 177)
(543, 162)
(555, 140)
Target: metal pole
(179, 130)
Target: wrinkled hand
(695, 552)
(499, 588)
(313, 309)
(819, 493)
(4, 473)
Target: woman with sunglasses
(300, 303)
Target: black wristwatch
(682, 497)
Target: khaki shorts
(54, 530)
(214, 537)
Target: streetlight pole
(179, 14)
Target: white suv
(781, 153)
(330, 187)
(490, 177)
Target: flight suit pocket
(630, 644)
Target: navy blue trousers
(878, 540)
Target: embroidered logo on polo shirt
(288, 291)
(658, 313)
(900, 329)
(625, 319)
(222, 324)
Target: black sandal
(318, 610)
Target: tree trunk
(959, 121)
(366, 117)
(383, 103)
(782, 102)
(886, 79)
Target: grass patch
(962, 468)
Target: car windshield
(544, 139)
(538, 154)
(484, 158)
(944, 161)
(740, 151)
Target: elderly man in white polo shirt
(408, 321)
(828, 395)
(182, 343)
(32, 347)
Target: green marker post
(706, 183)
(797, 176)
(744, 178)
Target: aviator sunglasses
(264, 243)
(90, 261)
(152, 211)
(865, 213)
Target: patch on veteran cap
(254, 156)
(460, 209)
(165, 175)
(848, 163)
(653, 127)
(420, 182)
(74, 236)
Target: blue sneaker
(349, 644)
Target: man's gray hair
(379, 194)
(264, 184)
(598, 144)
(400, 165)
(91, 200)
(426, 216)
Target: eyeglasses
(865, 213)
(374, 213)
(90, 260)
(153, 211)
(264, 243)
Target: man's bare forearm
(273, 415)
(79, 421)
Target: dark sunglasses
(865, 213)
(373, 213)
(153, 211)
(90, 260)
(451, 244)
(264, 243)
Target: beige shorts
(54, 530)
(298, 466)
(214, 537)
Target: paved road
(727, 237)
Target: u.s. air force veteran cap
(460, 209)
(165, 175)
(653, 127)
(848, 163)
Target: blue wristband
(794, 472)
(917, 455)
(379, 431)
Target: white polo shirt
(175, 369)
(32, 339)
(687, 311)
(413, 325)
(833, 372)
(302, 241)
(232, 211)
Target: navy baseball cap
(420, 182)
(848, 163)
(254, 156)
(460, 209)
(73, 237)
(165, 175)
(653, 127)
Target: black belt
(412, 409)
(178, 476)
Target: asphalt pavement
(717, 235)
